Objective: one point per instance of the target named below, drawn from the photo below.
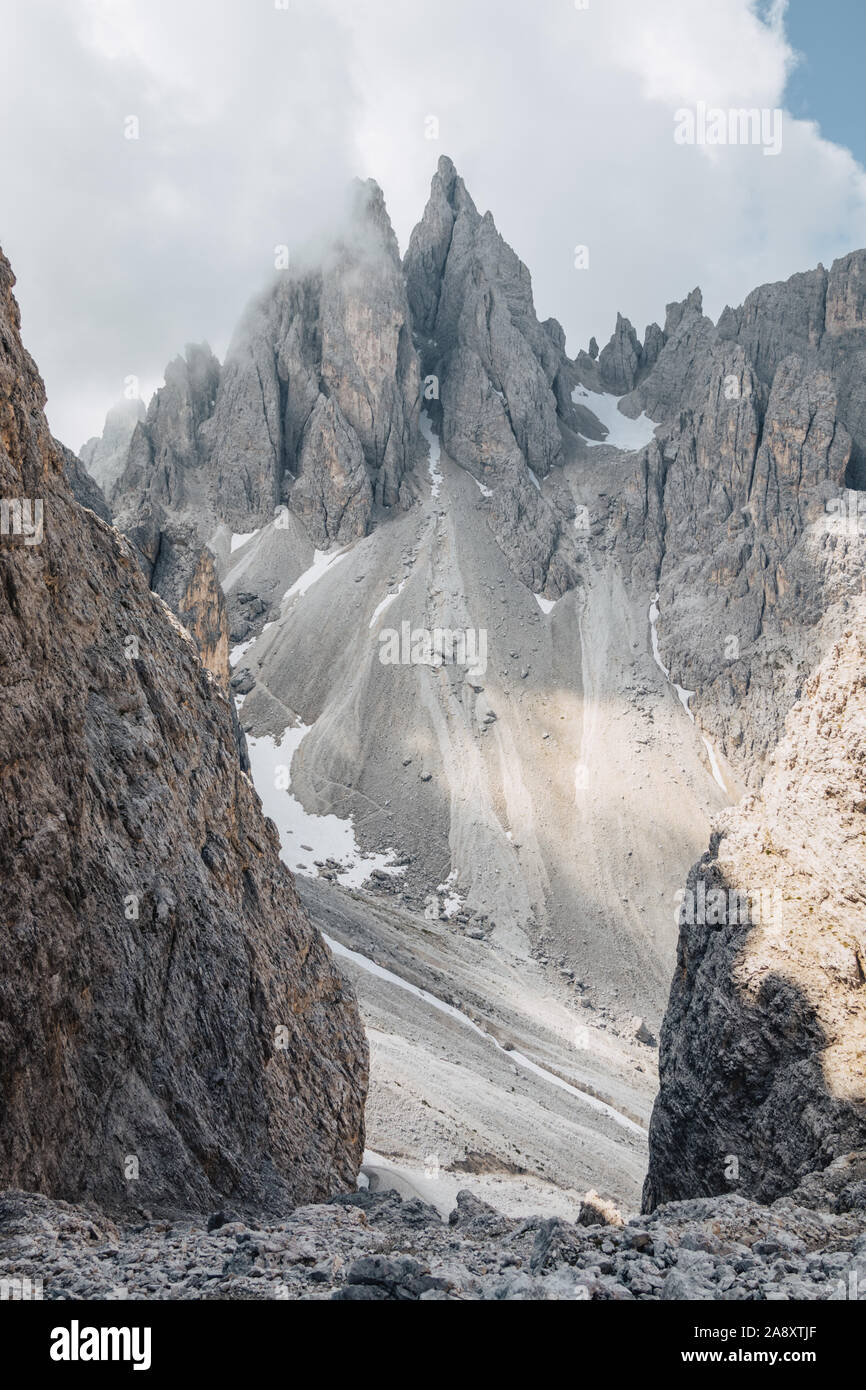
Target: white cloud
(253, 120)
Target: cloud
(253, 120)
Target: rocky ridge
(743, 513)
(505, 380)
(316, 407)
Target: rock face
(333, 495)
(327, 350)
(735, 513)
(184, 575)
(505, 380)
(317, 405)
(167, 450)
(104, 456)
(174, 1033)
(315, 408)
(763, 1050)
(84, 489)
(619, 361)
(160, 502)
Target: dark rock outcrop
(173, 1032)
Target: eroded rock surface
(763, 1049)
(173, 1033)
(506, 382)
(740, 512)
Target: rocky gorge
(663, 544)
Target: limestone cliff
(173, 1032)
(505, 380)
(738, 512)
(763, 1049)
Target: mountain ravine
(544, 676)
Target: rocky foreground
(374, 1246)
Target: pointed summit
(370, 226)
(431, 240)
(506, 382)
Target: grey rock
(620, 359)
(506, 382)
(725, 515)
(166, 450)
(760, 1082)
(85, 491)
(230, 446)
(333, 495)
(372, 1247)
(105, 456)
(681, 1285)
(642, 1033)
(143, 990)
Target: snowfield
(622, 432)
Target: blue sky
(828, 84)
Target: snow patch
(435, 448)
(714, 763)
(451, 899)
(386, 602)
(240, 538)
(323, 560)
(622, 432)
(546, 605)
(237, 652)
(305, 837)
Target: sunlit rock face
(763, 1050)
